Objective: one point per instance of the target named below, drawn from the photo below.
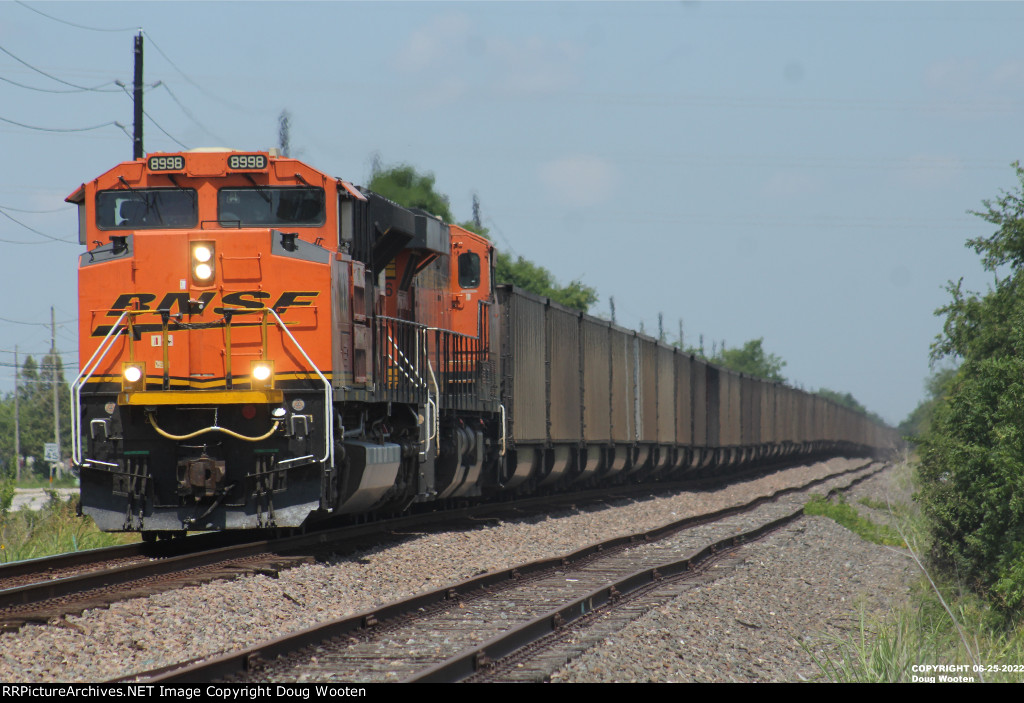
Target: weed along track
(466, 629)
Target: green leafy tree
(848, 401)
(537, 279)
(937, 387)
(7, 434)
(35, 400)
(973, 452)
(751, 359)
(404, 185)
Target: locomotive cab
(471, 276)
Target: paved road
(35, 498)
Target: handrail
(115, 330)
(437, 397)
(328, 394)
(76, 386)
(453, 333)
(403, 359)
(411, 323)
(431, 410)
(504, 435)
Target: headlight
(202, 253)
(261, 375)
(133, 376)
(203, 262)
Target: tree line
(970, 428)
(406, 186)
(33, 406)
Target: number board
(247, 162)
(166, 163)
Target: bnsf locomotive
(262, 344)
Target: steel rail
(211, 668)
(478, 660)
(45, 567)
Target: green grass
(54, 529)
(37, 481)
(942, 623)
(847, 516)
(899, 510)
(925, 632)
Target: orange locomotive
(260, 342)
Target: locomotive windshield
(271, 206)
(151, 208)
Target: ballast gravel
(745, 626)
(770, 618)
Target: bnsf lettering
(239, 300)
(179, 303)
(124, 302)
(290, 299)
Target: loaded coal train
(263, 345)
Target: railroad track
(38, 590)
(472, 628)
(60, 566)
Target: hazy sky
(800, 172)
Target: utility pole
(56, 406)
(17, 428)
(137, 151)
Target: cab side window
(469, 270)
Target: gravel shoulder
(791, 593)
(216, 617)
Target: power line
(42, 324)
(38, 367)
(22, 351)
(155, 123)
(188, 113)
(32, 229)
(62, 129)
(34, 212)
(72, 24)
(52, 77)
(191, 82)
(60, 92)
(20, 322)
